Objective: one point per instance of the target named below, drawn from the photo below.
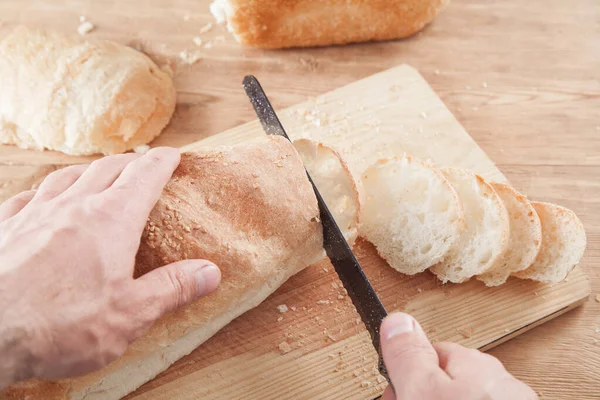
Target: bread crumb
(419, 290)
(279, 319)
(484, 84)
(189, 57)
(340, 297)
(437, 72)
(141, 149)
(475, 108)
(356, 374)
(466, 332)
(208, 45)
(468, 87)
(206, 28)
(285, 347)
(423, 114)
(357, 321)
(365, 384)
(507, 330)
(293, 308)
(282, 308)
(85, 27)
(325, 270)
(597, 330)
(197, 41)
(186, 17)
(380, 379)
(323, 302)
(598, 298)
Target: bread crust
(306, 23)
(79, 97)
(499, 273)
(248, 208)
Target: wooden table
(522, 77)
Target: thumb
(411, 360)
(179, 283)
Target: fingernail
(397, 324)
(208, 278)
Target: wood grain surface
(523, 78)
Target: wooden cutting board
(319, 348)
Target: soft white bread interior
(563, 244)
(79, 97)
(485, 239)
(248, 208)
(284, 23)
(525, 237)
(340, 190)
(411, 214)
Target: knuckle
(409, 350)
(177, 283)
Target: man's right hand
(420, 370)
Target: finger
(58, 181)
(388, 394)
(167, 288)
(140, 184)
(102, 173)
(461, 362)
(15, 204)
(410, 358)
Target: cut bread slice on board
(485, 239)
(340, 190)
(412, 214)
(525, 237)
(563, 244)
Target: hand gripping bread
(485, 240)
(248, 208)
(525, 237)
(412, 214)
(340, 190)
(563, 244)
(79, 97)
(307, 23)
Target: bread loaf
(307, 23)
(563, 244)
(77, 96)
(248, 208)
(485, 240)
(525, 236)
(340, 189)
(412, 214)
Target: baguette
(248, 208)
(525, 236)
(306, 23)
(485, 240)
(79, 97)
(563, 244)
(412, 214)
(341, 191)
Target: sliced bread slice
(411, 214)
(340, 189)
(485, 239)
(563, 244)
(525, 237)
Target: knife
(346, 265)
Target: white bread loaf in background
(79, 97)
(563, 244)
(485, 239)
(525, 237)
(340, 190)
(411, 214)
(307, 23)
(248, 208)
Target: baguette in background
(79, 97)
(307, 23)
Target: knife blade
(342, 258)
